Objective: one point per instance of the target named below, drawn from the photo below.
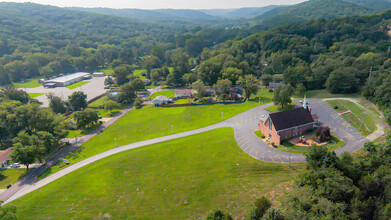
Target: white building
(182, 93)
(99, 74)
(66, 80)
(160, 100)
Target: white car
(15, 165)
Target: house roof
(275, 85)
(182, 90)
(291, 118)
(161, 97)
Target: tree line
(353, 186)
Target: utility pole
(115, 142)
(172, 129)
(290, 152)
(222, 115)
(370, 72)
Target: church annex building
(285, 125)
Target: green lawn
(275, 108)
(335, 143)
(35, 95)
(152, 122)
(366, 125)
(168, 94)
(29, 83)
(258, 133)
(183, 101)
(324, 93)
(102, 112)
(77, 85)
(108, 70)
(139, 73)
(179, 179)
(82, 132)
(11, 176)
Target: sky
(159, 4)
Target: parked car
(15, 165)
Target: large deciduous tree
(86, 118)
(282, 96)
(77, 101)
(121, 74)
(126, 94)
(342, 81)
(223, 88)
(56, 104)
(231, 73)
(250, 85)
(199, 89)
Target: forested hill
(336, 54)
(378, 5)
(162, 16)
(310, 10)
(47, 41)
(241, 12)
(45, 25)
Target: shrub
(263, 136)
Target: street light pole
(222, 115)
(172, 129)
(115, 142)
(290, 152)
(259, 101)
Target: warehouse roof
(69, 77)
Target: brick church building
(288, 124)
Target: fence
(192, 104)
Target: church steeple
(305, 102)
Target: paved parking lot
(94, 88)
(246, 124)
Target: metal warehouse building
(66, 80)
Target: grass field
(82, 132)
(29, 83)
(361, 118)
(11, 176)
(108, 70)
(139, 73)
(35, 95)
(168, 94)
(275, 108)
(152, 122)
(324, 93)
(334, 144)
(179, 179)
(77, 85)
(183, 101)
(102, 112)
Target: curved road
(244, 126)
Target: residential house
(182, 93)
(273, 85)
(160, 100)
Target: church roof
(292, 118)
